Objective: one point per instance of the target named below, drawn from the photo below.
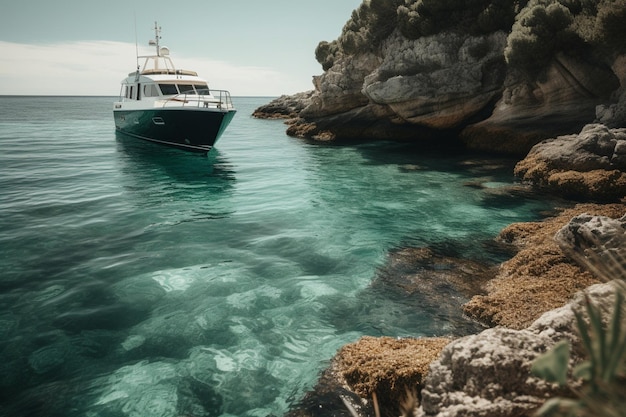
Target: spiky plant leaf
(598, 334)
(558, 407)
(617, 342)
(552, 365)
(587, 341)
(583, 371)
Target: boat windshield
(186, 89)
(202, 88)
(168, 89)
(173, 89)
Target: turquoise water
(139, 280)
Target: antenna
(136, 47)
(157, 36)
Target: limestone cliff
(498, 75)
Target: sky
(86, 47)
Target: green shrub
(498, 15)
(325, 54)
(539, 32)
(428, 17)
(610, 27)
(593, 30)
(371, 23)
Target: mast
(157, 36)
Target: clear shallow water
(139, 280)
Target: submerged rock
(433, 282)
(422, 271)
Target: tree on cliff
(589, 29)
(538, 29)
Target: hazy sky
(86, 47)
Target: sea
(138, 280)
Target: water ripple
(140, 280)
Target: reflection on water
(194, 186)
(146, 159)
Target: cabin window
(168, 89)
(150, 90)
(202, 88)
(126, 92)
(131, 92)
(186, 89)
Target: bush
(325, 54)
(538, 34)
(428, 17)
(591, 29)
(498, 15)
(369, 25)
(611, 30)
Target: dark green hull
(194, 130)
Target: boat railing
(212, 99)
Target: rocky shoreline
(528, 307)
(541, 80)
(527, 303)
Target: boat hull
(194, 130)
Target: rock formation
(587, 166)
(501, 77)
(540, 277)
(488, 374)
(597, 243)
(498, 76)
(284, 107)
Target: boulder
(488, 374)
(590, 165)
(613, 114)
(597, 243)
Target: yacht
(166, 105)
